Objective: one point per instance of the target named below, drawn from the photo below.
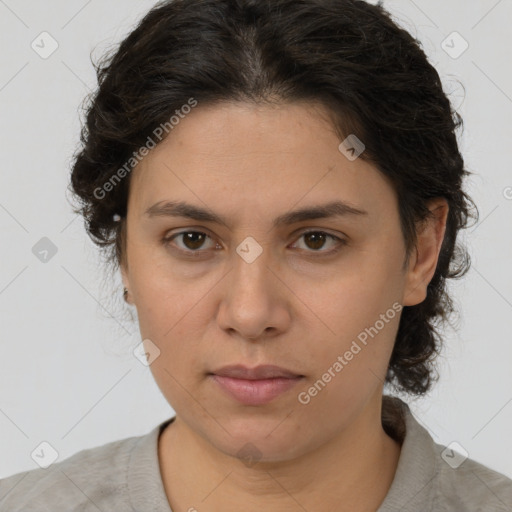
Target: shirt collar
(414, 483)
(145, 485)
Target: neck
(352, 471)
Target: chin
(260, 439)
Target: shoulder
(84, 481)
(465, 484)
(434, 478)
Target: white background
(67, 373)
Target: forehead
(241, 155)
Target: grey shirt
(124, 475)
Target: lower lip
(255, 392)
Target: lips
(266, 371)
(255, 386)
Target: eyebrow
(183, 209)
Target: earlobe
(126, 287)
(423, 262)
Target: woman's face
(257, 289)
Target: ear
(423, 260)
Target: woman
(280, 185)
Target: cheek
(358, 316)
(163, 299)
(175, 328)
(356, 299)
(174, 315)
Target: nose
(255, 302)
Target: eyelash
(166, 241)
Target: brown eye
(316, 240)
(191, 241)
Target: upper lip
(267, 371)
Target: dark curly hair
(350, 56)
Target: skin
(292, 306)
